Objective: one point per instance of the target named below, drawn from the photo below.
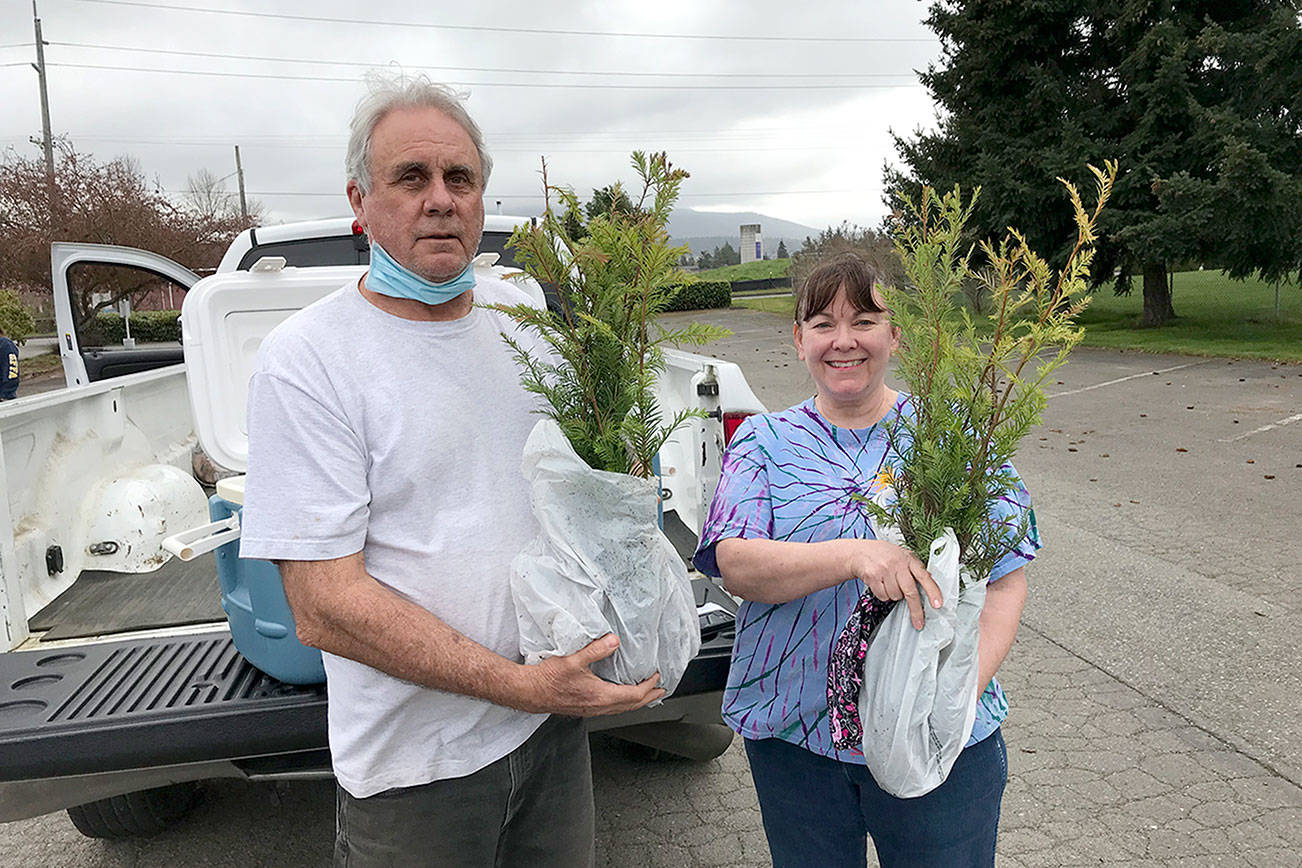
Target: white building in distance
(752, 242)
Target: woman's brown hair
(844, 269)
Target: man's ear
(354, 191)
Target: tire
(135, 815)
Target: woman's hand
(894, 573)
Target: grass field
(1216, 317)
(750, 271)
(38, 365)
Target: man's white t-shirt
(401, 439)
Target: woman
(784, 535)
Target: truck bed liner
(100, 603)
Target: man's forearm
(339, 608)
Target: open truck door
(92, 278)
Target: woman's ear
(795, 336)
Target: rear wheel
(135, 815)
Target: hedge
(148, 326)
(701, 295)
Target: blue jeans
(818, 811)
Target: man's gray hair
(386, 93)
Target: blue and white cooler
(223, 321)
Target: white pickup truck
(120, 687)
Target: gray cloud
(771, 150)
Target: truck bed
(103, 603)
(142, 703)
(148, 702)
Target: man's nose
(438, 199)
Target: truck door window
(101, 294)
(495, 242)
(340, 250)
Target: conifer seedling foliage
(975, 392)
(612, 283)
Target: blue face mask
(389, 278)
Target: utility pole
(47, 140)
(239, 173)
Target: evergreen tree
(608, 201)
(782, 249)
(1198, 101)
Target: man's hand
(894, 573)
(566, 685)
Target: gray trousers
(533, 807)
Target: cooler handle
(189, 544)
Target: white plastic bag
(918, 701)
(600, 565)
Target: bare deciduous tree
(105, 203)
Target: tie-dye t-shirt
(789, 476)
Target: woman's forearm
(998, 625)
(776, 571)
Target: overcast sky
(789, 114)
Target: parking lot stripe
(1129, 377)
(1279, 423)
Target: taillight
(732, 421)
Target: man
(8, 367)
(386, 426)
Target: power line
(372, 65)
(533, 31)
(517, 84)
(19, 45)
(340, 194)
(225, 142)
(634, 135)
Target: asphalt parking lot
(1155, 683)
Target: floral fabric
(845, 670)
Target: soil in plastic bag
(600, 565)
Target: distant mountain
(706, 230)
(686, 223)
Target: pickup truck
(120, 686)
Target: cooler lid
(231, 489)
(223, 320)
